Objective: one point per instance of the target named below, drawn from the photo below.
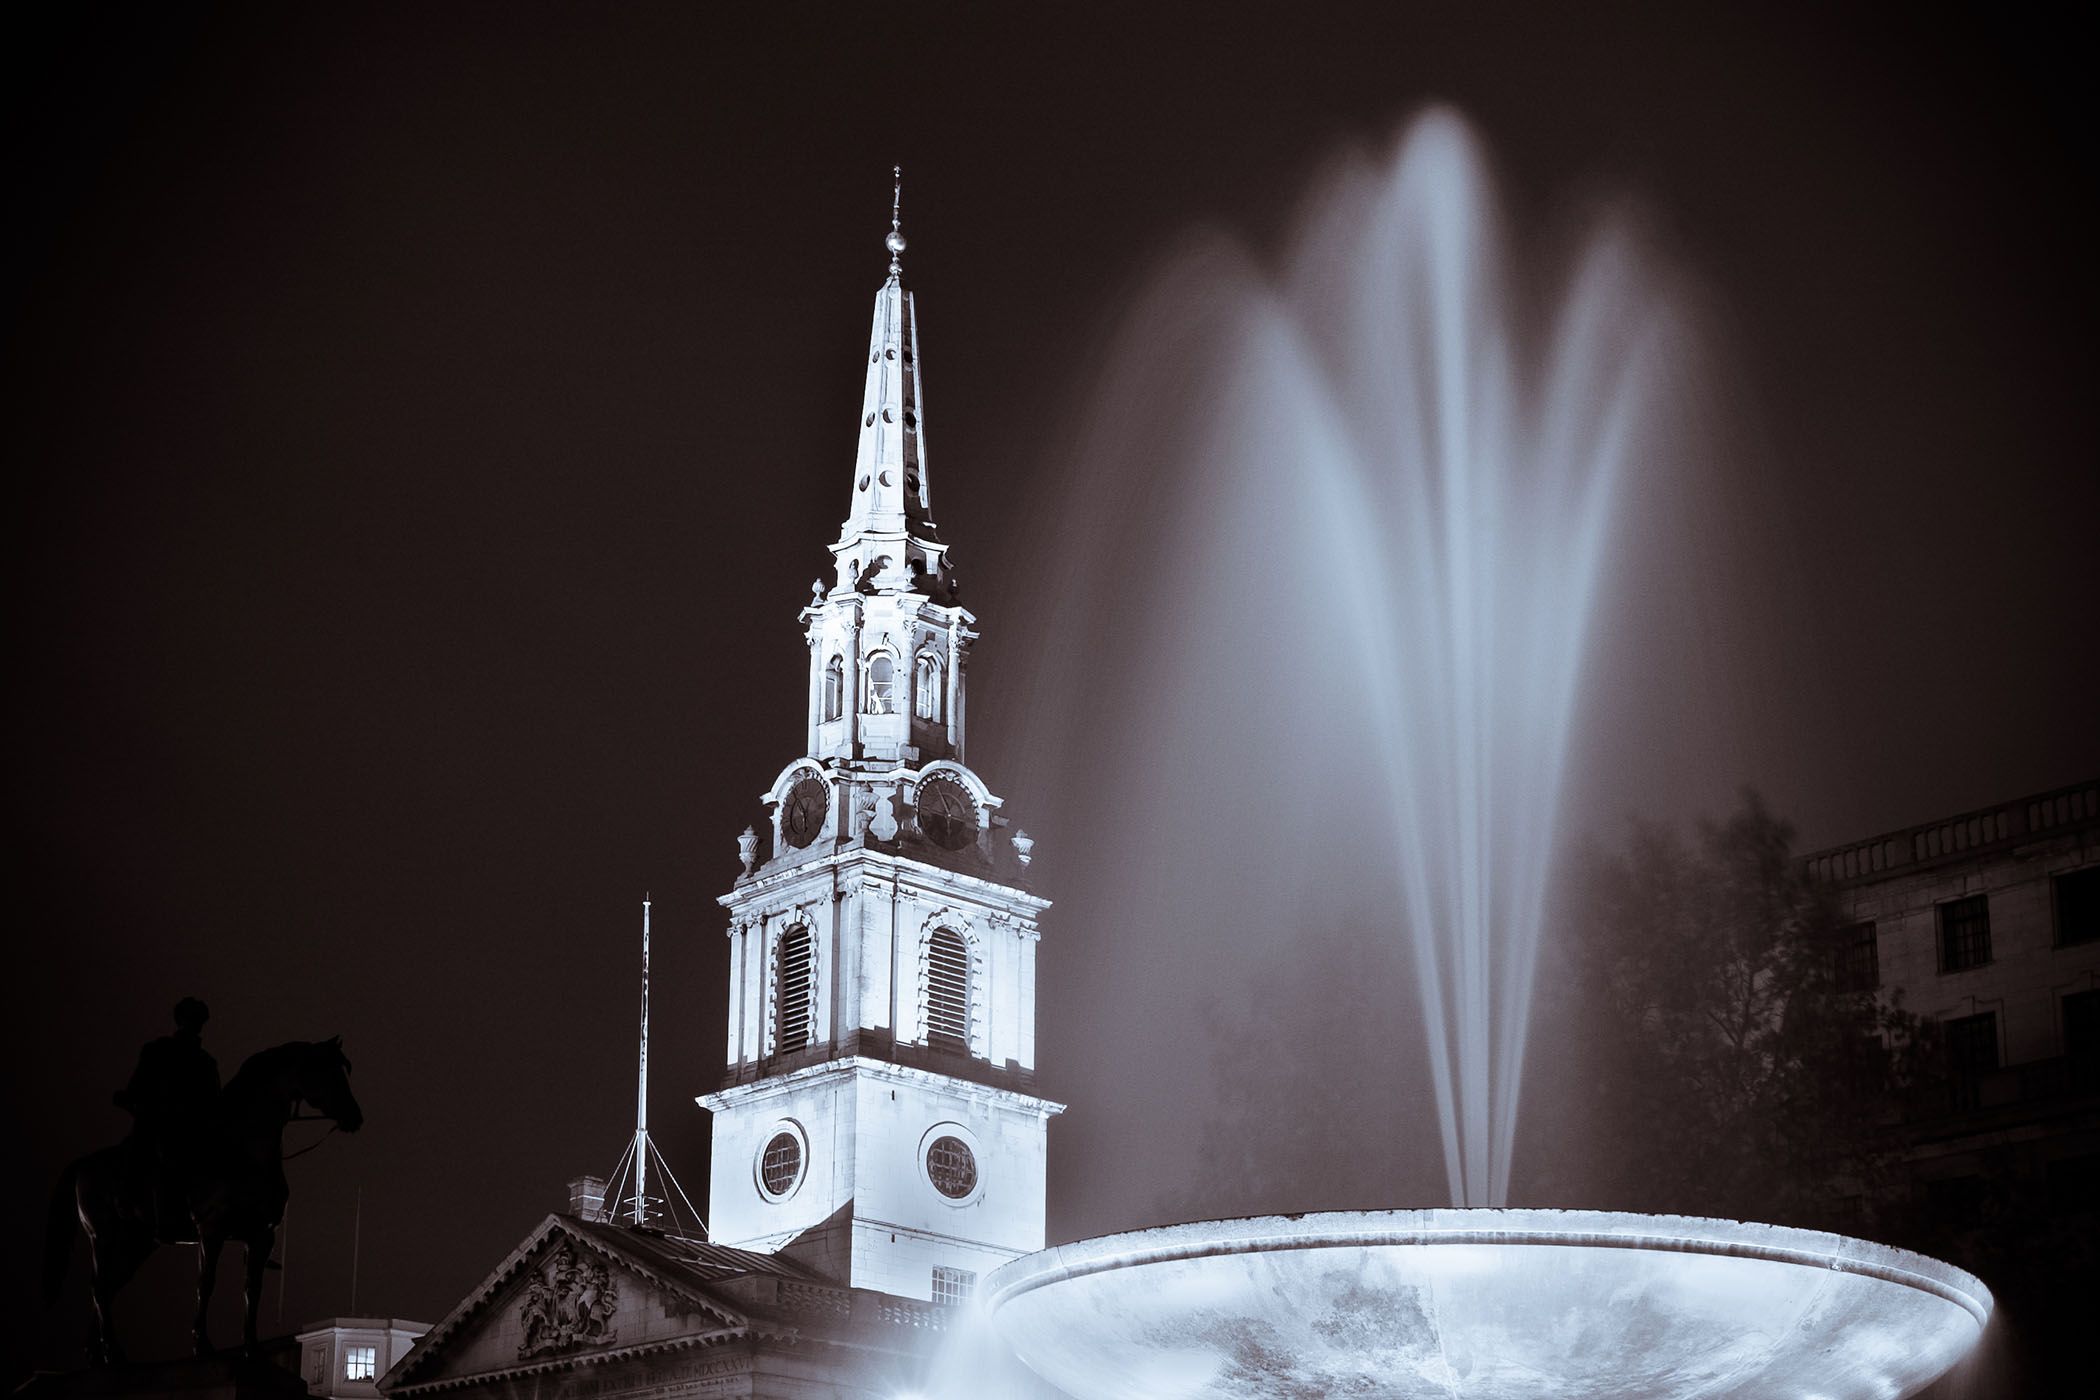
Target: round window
(780, 1166)
(952, 1167)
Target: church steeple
(877, 1115)
(888, 541)
(888, 637)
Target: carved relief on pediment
(568, 1303)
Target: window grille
(926, 687)
(834, 688)
(2078, 906)
(791, 992)
(1972, 1043)
(1965, 933)
(360, 1363)
(1858, 958)
(952, 1167)
(952, 1286)
(781, 1166)
(947, 989)
(882, 681)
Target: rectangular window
(793, 1018)
(1858, 958)
(2082, 1027)
(2073, 1184)
(947, 990)
(360, 1363)
(1956, 1202)
(1972, 1043)
(1965, 933)
(952, 1286)
(2078, 906)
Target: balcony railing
(2004, 825)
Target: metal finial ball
(895, 242)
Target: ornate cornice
(771, 1086)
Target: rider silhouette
(170, 1096)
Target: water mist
(1379, 479)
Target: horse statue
(230, 1187)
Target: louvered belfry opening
(791, 1003)
(948, 991)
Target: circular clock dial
(946, 813)
(952, 1167)
(804, 816)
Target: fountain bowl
(1476, 1304)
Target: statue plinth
(197, 1378)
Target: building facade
(877, 1115)
(1988, 923)
(342, 1358)
(877, 1141)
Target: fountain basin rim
(1518, 1226)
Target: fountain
(1380, 412)
(1484, 1304)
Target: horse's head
(324, 1083)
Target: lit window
(360, 1363)
(791, 1000)
(952, 1286)
(882, 682)
(1858, 958)
(1965, 933)
(1972, 1043)
(947, 989)
(834, 688)
(926, 686)
(2078, 906)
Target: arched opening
(792, 1005)
(834, 688)
(882, 684)
(948, 990)
(926, 687)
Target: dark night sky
(427, 421)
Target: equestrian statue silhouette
(202, 1165)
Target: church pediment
(569, 1295)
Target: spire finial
(895, 242)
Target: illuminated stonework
(882, 937)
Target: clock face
(804, 816)
(946, 814)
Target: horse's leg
(102, 1343)
(256, 1255)
(114, 1255)
(208, 1246)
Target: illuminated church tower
(876, 1120)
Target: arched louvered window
(926, 687)
(948, 990)
(834, 688)
(791, 991)
(882, 684)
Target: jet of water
(1466, 487)
(1408, 443)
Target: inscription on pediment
(567, 1304)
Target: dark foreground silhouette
(224, 1180)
